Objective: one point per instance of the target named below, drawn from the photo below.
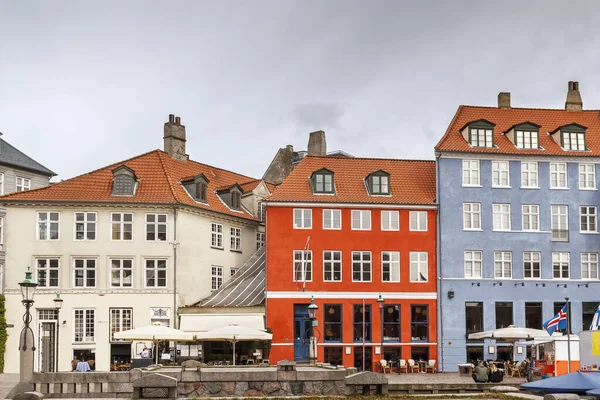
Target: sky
(86, 84)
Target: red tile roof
(251, 185)
(159, 183)
(411, 181)
(505, 118)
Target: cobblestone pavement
(7, 382)
(445, 377)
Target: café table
(83, 366)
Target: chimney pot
(317, 145)
(171, 118)
(574, 102)
(177, 121)
(504, 100)
(174, 139)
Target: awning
(195, 323)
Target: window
(472, 216)
(323, 182)
(502, 264)
(474, 316)
(418, 266)
(83, 325)
(473, 264)
(560, 223)
(262, 211)
(121, 273)
(501, 217)
(48, 225)
(1, 183)
(391, 323)
(390, 266)
(587, 176)
(418, 220)
(470, 172)
(47, 272)
(390, 220)
(361, 220)
(23, 184)
(302, 218)
(260, 240)
(529, 175)
(121, 319)
(216, 235)
(201, 188)
(362, 329)
(333, 322)
(236, 200)
(1, 236)
(156, 273)
(527, 139)
(533, 315)
(587, 219)
(84, 272)
(233, 271)
(481, 137)
(216, 277)
(361, 266)
(419, 323)
(531, 265)
(332, 266)
(573, 141)
(379, 184)
(558, 176)
(236, 239)
(85, 226)
(589, 266)
(531, 217)
(500, 174)
(588, 310)
(302, 266)
(124, 185)
(122, 226)
(156, 227)
(332, 219)
(560, 265)
(504, 314)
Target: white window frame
(579, 141)
(392, 265)
(590, 215)
(531, 257)
(587, 174)
(85, 222)
(85, 270)
(23, 185)
(334, 218)
(86, 338)
(235, 239)
(330, 263)
(500, 173)
(120, 316)
(233, 271)
(531, 217)
(156, 269)
(48, 223)
(558, 175)
(48, 269)
(122, 271)
(472, 258)
(260, 240)
(305, 268)
(476, 135)
(525, 139)
(472, 216)
(502, 265)
(262, 211)
(589, 266)
(563, 259)
(156, 224)
(1, 239)
(419, 260)
(501, 215)
(529, 175)
(471, 173)
(560, 214)
(361, 220)
(300, 218)
(1, 183)
(390, 220)
(216, 235)
(418, 221)
(121, 224)
(216, 277)
(363, 264)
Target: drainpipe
(175, 244)
(439, 263)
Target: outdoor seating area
(407, 366)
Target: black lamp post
(381, 303)
(58, 302)
(312, 315)
(26, 340)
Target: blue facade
(517, 290)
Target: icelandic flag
(559, 321)
(595, 326)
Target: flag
(595, 326)
(559, 321)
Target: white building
(125, 245)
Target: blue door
(302, 333)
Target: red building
(345, 231)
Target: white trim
(332, 262)
(360, 228)
(303, 210)
(388, 220)
(352, 295)
(156, 225)
(518, 157)
(85, 222)
(85, 270)
(331, 219)
(144, 269)
(121, 223)
(297, 204)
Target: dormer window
(571, 138)
(124, 181)
(201, 188)
(527, 139)
(479, 133)
(236, 200)
(379, 183)
(322, 181)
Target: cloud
(318, 116)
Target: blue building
(518, 202)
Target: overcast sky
(84, 84)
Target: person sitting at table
(480, 373)
(495, 375)
(145, 353)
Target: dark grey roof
(12, 156)
(245, 289)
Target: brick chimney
(504, 100)
(175, 139)
(317, 145)
(573, 102)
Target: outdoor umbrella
(575, 382)
(234, 333)
(155, 333)
(511, 333)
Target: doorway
(367, 357)
(302, 333)
(47, 346)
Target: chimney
(317, 146)
(504, 100)
(174, 138)
(573, 102)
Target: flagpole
(568, 335)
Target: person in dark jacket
(495, 374)
(480, 373)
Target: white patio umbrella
(155, 333)
(511, 333)
(234, 333)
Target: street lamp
(58, 302)
(312, 315)
(26, 340)
(381, 303)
